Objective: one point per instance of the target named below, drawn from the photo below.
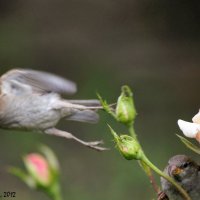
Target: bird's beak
(174, 170)
(177, 171)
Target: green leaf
(190, 145)
(51, 158)
(23, 176)
(116, 137)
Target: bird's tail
(85, 110)
(88, 116)
(90, 102)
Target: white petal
(189, 129)
(196, 118)
(198, 137)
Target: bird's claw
(162, 196)
(67, 135)
(95, 145)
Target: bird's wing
(24, 80)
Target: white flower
(191, 129)
(196, 118)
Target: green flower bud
(128, 146)
(125, 110)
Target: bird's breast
(30, 112)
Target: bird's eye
(185, 164)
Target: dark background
(102, 44)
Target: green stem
(154, 168)
(158, 171)
(132, 132)
(54, 193)
(149, 173)
(146, 168)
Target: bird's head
(182, 168)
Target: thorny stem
(153, 183)
(142, 158)
(158, 171)
(150, 175)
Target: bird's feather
(41, 82)
(84, 116)
(89, 102)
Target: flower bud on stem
(42, 172)
(125, 110)
(128, 145)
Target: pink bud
(38, 168)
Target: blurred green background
(153, 46)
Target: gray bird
(30, 100)
(184, 171)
